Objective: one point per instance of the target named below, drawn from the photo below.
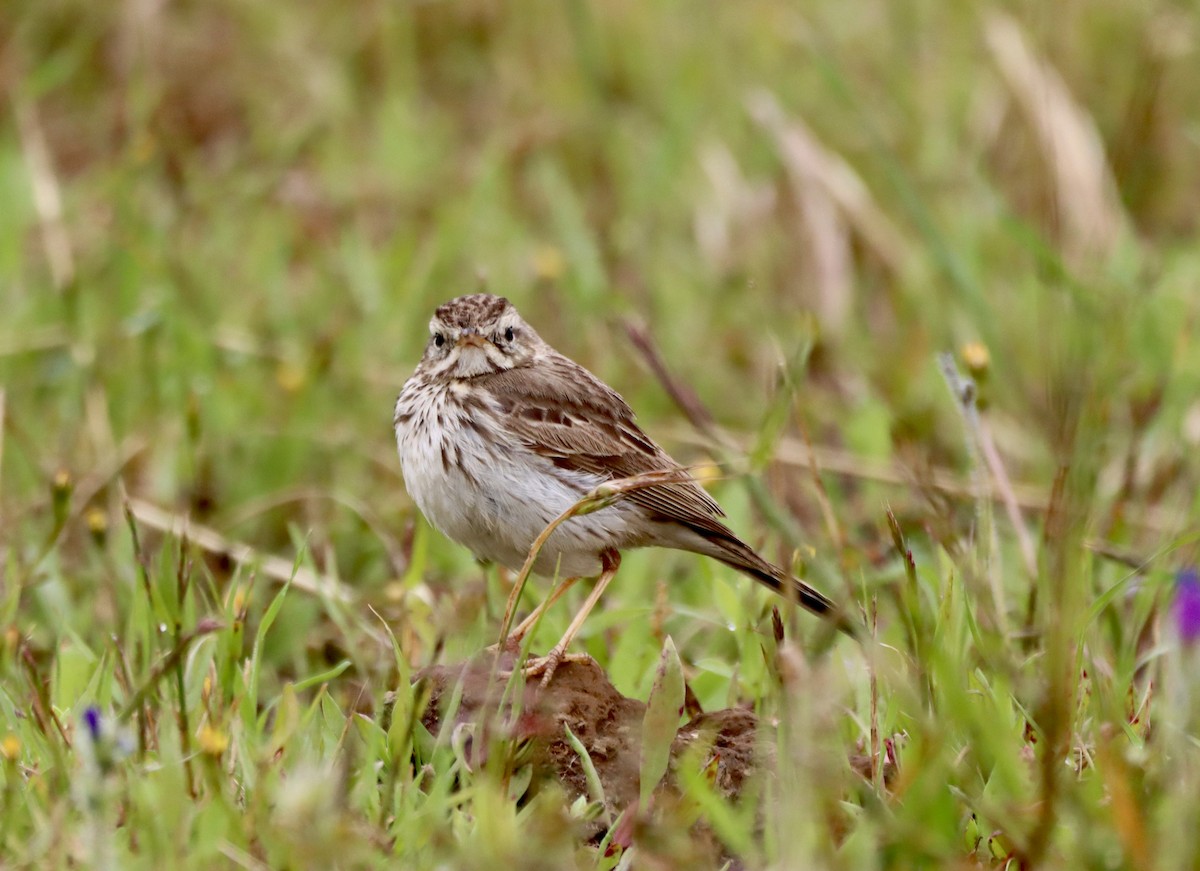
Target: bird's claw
(545, 666)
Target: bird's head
(476, 335)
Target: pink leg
(546, 665)
(525, 625)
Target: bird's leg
(610, 561)
(522, 628)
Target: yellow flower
(60, 494)
(290, 376)
(706, 472)
(548, 262)
(976, 357)
(212, 740)
(97, 523)
(10, 747)
(239, 600)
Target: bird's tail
(796, 590)
(731, 550)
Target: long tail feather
(795, 590)
(731, 550)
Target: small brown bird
(499, 434)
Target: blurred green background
(224, 226)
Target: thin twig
(684, 397)
(208, 539)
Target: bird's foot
(536, 666)
(545, 666)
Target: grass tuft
(224, 228)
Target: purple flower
(1187, 605)
(91, 719)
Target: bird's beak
(475, 339)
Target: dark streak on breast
(472, 402)
(471, 479)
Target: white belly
(497, 503)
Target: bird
(499, 434)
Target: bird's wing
(562, 412)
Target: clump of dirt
(607, 724)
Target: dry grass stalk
(792, 451)
(47, 195)
(827, 235)
(1005, 495)
(207, 538)
(734, 206)
(1085, 192)
(834, 201)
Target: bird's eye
(439, 339)
(508, 334)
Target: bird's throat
(473, 360)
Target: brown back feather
(565, 413)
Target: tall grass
(224, 227)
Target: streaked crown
(477, 334)
(474, 311)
